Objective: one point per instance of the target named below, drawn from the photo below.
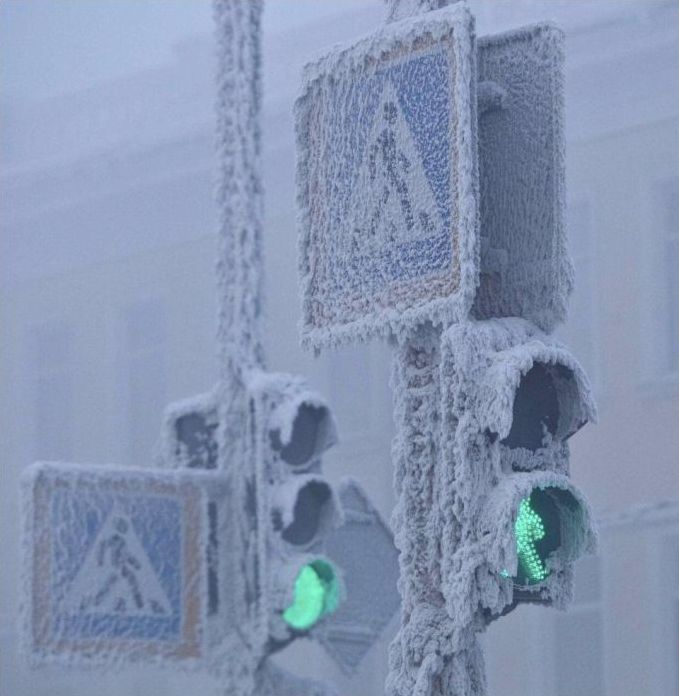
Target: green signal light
(316, 594)
(538, 532)
(528, 530)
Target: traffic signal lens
(535, 410)
(313, 511)
(528, 530)
(312, 433)
(316, 594)
(537, 533)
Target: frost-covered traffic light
(512, 397)
(297, 570)
(290, 427)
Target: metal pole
(239, 199)
(432, 654)
(239, 277)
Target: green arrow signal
(529, 528)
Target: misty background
(108, 300)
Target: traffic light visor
(548, 521)
(316, 594)
(536, 524)
(533, 394)
(536, 409)
(307, 430)
(546, 405)
(304, 509)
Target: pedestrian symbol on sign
(392, 191)
(117, 576)
(117, 562)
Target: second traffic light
(290, 429)
(512, 398)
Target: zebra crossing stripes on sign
(387, 180)
(116, 563)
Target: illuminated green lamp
(529, 529)
(537, 535)
(316, 595)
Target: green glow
(528, 529)
(316, 594)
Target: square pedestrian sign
(387, 181)
(115, 563)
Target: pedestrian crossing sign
(115, 563)
(387, 180)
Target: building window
(579, 331)
(146, 353)
(51, 369)
(578, 636)
(667, 205)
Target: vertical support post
(239, 199)
(239, 277)
(416, 388)
(432, 655)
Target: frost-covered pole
(239, 277)
(256, 563)
(433, 654)
(239, 199)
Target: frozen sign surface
(525, 268)
(387, 180)
(364, 548)
(115, 563)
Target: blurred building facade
(108, 310)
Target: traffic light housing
(188, 437)
(284, 521)
(512, 397)
(290, 428)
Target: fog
(108, 300)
